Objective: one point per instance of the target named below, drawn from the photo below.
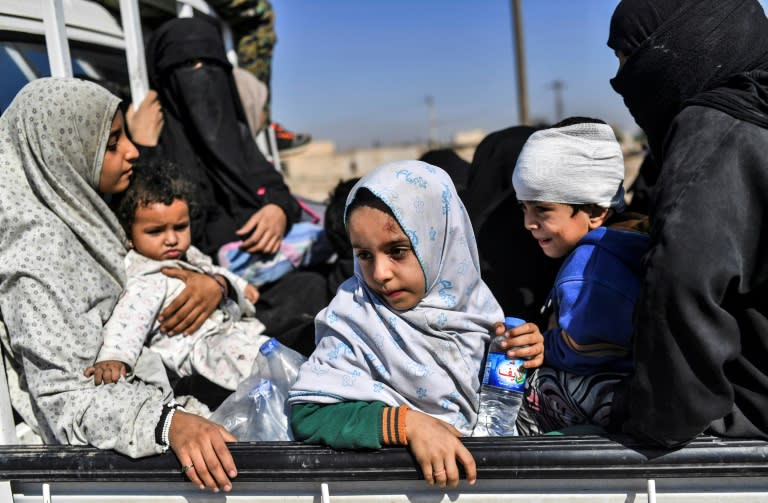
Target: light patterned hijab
(57, 236)
(61, 272)
(52, 142)
(429, 356)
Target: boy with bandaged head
(568, 180)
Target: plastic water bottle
(501, 392)
(280, 364)
(257, 410)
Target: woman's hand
(436, 447)
(146, 123)
(527, 335)
(265, 230)
(200, 445)
(194, 304)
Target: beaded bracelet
(163, 427)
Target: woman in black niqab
(694, 77)
(207, 135)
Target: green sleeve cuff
(344, 425)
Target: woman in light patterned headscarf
(399, 348)
(62, 145)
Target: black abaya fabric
(743, 96)
(643, 186)
(490, 175)
(450, 162)
(206, 132)
(512, 263)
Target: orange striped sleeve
(393, 425)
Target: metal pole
(522, 88)
(56, 43)
(229, 43)
(430, 102)
(557, 87)
(184, 10)
(134, 50)
(7, 425)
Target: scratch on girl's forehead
(391, 224)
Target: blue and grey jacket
(593, 300)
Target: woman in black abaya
(240, 196)
(206, 133)
(694, 74)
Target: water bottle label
(505, 373)
(263, 389)
(269, 346)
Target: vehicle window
(22, 61)
(13, 76)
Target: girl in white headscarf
(399, 348)
(62, 145)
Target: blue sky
(357, 71)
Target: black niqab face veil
(204, 118)
(678, 49)
(193, 86)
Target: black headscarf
(512, 263)
(450, 162)
(679, 49)
(206, 132)
(490, 174)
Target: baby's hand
(437, 448)
(106, 372)
(251, 293)
(529, 337)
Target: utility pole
(557, 87)
(430, 102)
(522, 88)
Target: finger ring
(185, 469)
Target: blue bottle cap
(512, 322)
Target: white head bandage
(576, 164)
